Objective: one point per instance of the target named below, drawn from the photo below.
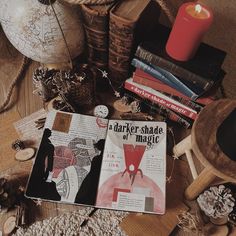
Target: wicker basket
(165, 6)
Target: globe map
(33, 29)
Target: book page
(133, 172)
(27, 130)
(68, 161)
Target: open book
(115, 164)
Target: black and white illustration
(68, 161)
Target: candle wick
(198, 8)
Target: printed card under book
(72, 165)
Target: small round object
(25, 154)
(9, 225)
(101, 111)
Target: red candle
(191, 23)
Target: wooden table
(24, 102)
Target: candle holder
(191, 23)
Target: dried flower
(8, 194)
(125, 100)
(43, 82)
(189, 222)
(80, 78)
(216, 202)
(135, 106)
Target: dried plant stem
(189, 222)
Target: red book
(159, 98)
(146, 79)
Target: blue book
(168, 78)
(195, 88)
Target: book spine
(160, 98)
(168, 91)
(96, 30)
(173, 116)
(141, 77)
(145, 75)
(97, 56)
(176, 84)
(161, 110)
(120, 45)
(126, 33)
(157, 85)
(162, 88)
(186, 102)
(154, 59)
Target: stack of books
(181, 89)
(113, 32)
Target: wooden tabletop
(24, 103)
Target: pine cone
(216, 201)
(7, 198)
(43, 81)
(77, 86)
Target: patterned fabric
(103, 222)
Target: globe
(33, 29)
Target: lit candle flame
(198, 8)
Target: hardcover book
(160, 98)
(113, 164)
(146, 79)
(96, 25)
(151, 108)
(202, 70)
(185, 101)
(168, 78)
(131, 21)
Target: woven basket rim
(165, 6)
